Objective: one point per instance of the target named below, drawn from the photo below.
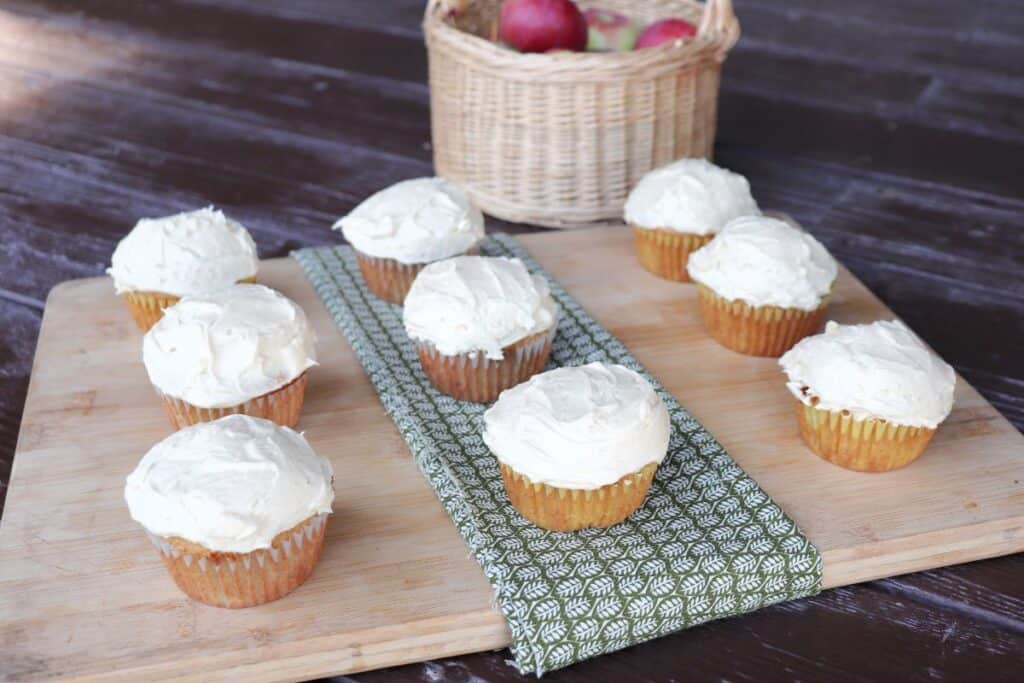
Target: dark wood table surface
(892, 129)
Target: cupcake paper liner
(560, 509)
(148, 307)
(282, 406)
(870, 445)
(475, 377)
(666, 252)
(757, 330)
(244, 579)
(388, 278)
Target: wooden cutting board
(84, 596)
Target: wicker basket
(560, 139)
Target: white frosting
(187, 253)
(414, 221)
(477, 303)
(578, 427)
(689, 195)
(765, 262)
(227, 347)
(230, 485)
(881, 370)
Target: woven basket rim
(715, 41)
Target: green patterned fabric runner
(707, 543)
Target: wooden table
(892, 129)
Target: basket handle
(719, 22)
(447, 6)
(718, 14)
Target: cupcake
(762, 284)
(236, 507)
(676, 209)
(243, 349)
(164, 259)
(480, 324)
(869, 397)
(578, 446)
(406, 226)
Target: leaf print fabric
(707, 542)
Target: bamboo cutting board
(83, 595)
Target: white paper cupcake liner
(282, 405)
(246, 579)
(475, 377)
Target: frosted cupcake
(406, 226)
(243, 349)
(869, 397)
(237, 508)
(676, 209)
(763, 285)
(578, 446)
(480, 324)
(164, 259)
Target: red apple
(609, 31)
(664, 31)
(542, 25)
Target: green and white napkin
(707, 542)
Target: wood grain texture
(287, 113)
(395, 583)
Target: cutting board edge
(917, 552)
(338, 655)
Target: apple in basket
(609, 31)
(664, 31)
(542, 25)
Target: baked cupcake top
(578, 427)
(881, 371)
(477, 303)
(224, 348)
(765, 262)
(231, 485)
(414, 221)
(187, 253)
(689, 195)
